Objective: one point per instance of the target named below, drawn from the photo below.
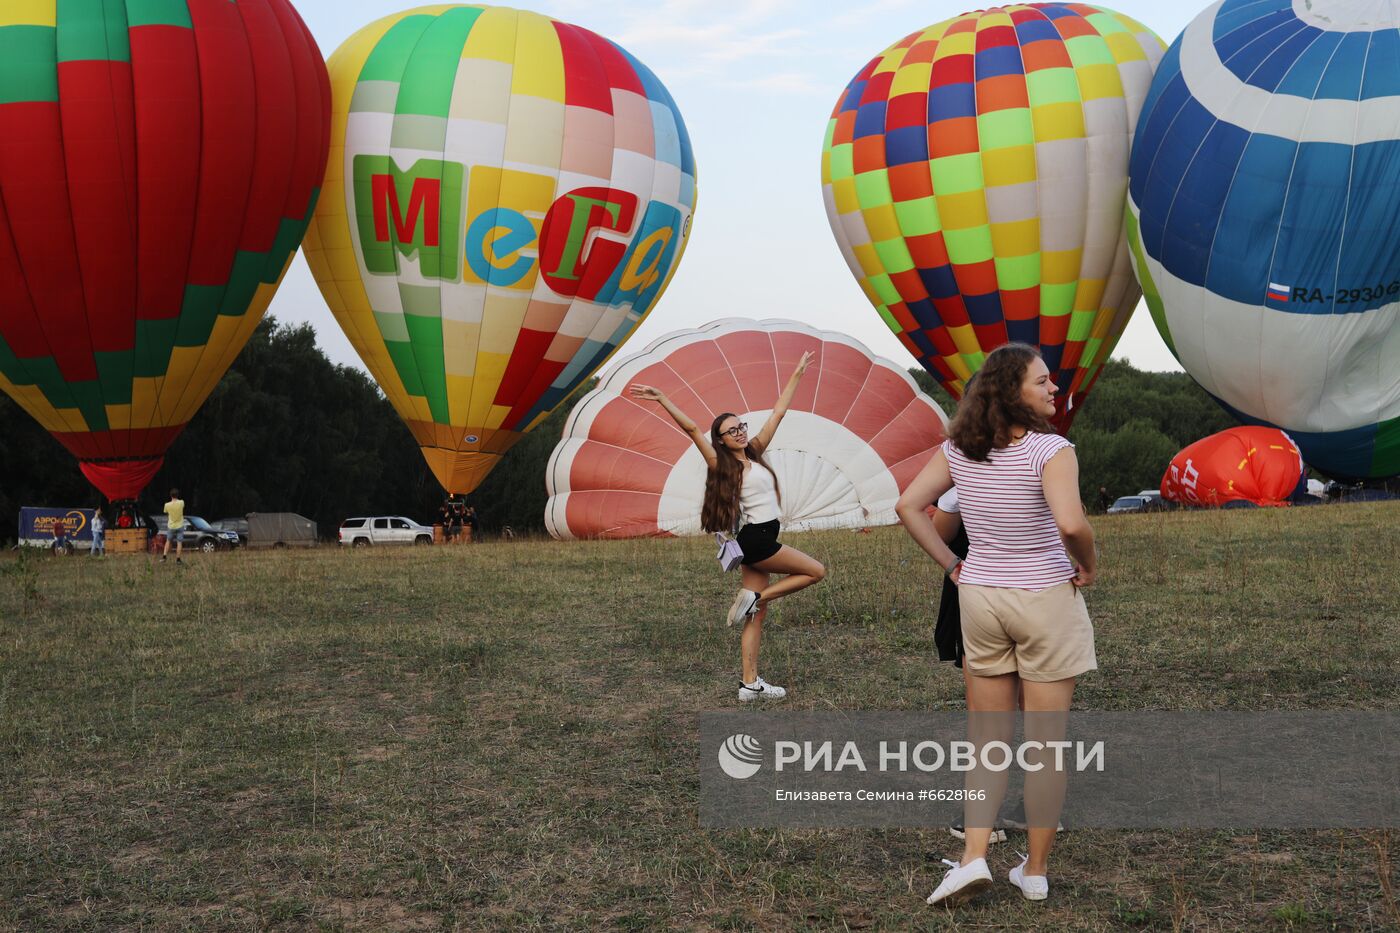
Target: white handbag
(730, 554)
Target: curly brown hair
(993, 406)
(722, 484)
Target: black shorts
(758, 542)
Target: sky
(755, 81)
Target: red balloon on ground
(1256, 464)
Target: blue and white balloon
(1264, 219)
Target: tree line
(1130, 426)
(287, 430)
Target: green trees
(35, 470)
(514, 492)
(287, 430)
(1130, 427)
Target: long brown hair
(722, 484)
(993, 406)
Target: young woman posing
(1024, 624)
(739, 483)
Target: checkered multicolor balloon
(974, 176)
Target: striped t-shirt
(1014, 541)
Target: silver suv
(384, 529)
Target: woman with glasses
(741, 490)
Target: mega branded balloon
(856, 433)
(1264, 196)
(1256, 464)
(974, 176)
(507, 197)
(158, 166)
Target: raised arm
(770, 427)
(933, 481)
(1060, 482)
(690, 427)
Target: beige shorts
(1043, 635)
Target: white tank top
(758, 497)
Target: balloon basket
(126, 540)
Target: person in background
(61, 546)
(99, 534)
(947, 630)
(947, 638)
(470, 524)
(445, 521)
(1105, 500)
(174, 526)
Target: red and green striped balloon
(159, 162)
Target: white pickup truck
(384, 529)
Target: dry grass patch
(503, 736)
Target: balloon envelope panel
(507, 197)
(158, 166)
(1265, 183)
(1256, 464)
(974, 176)
(857, 431)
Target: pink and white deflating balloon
(856, 433)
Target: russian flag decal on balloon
(1264, 183)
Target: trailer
(280, 529)
(41, 526)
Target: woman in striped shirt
(1024, 622)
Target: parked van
(280, 529)
(384, 529)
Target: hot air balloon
(974, 176)
(158, 166)
(1265, 186)
(507, 197)
(856, 433)
(1254, 464)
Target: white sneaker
(962, 882)
(771, 692)
(760, 689)
(744, 603)
(1034, 887)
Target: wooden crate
(126, 540)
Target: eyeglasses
(739, 430)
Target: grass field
(503, 736)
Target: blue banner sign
(39, 526)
